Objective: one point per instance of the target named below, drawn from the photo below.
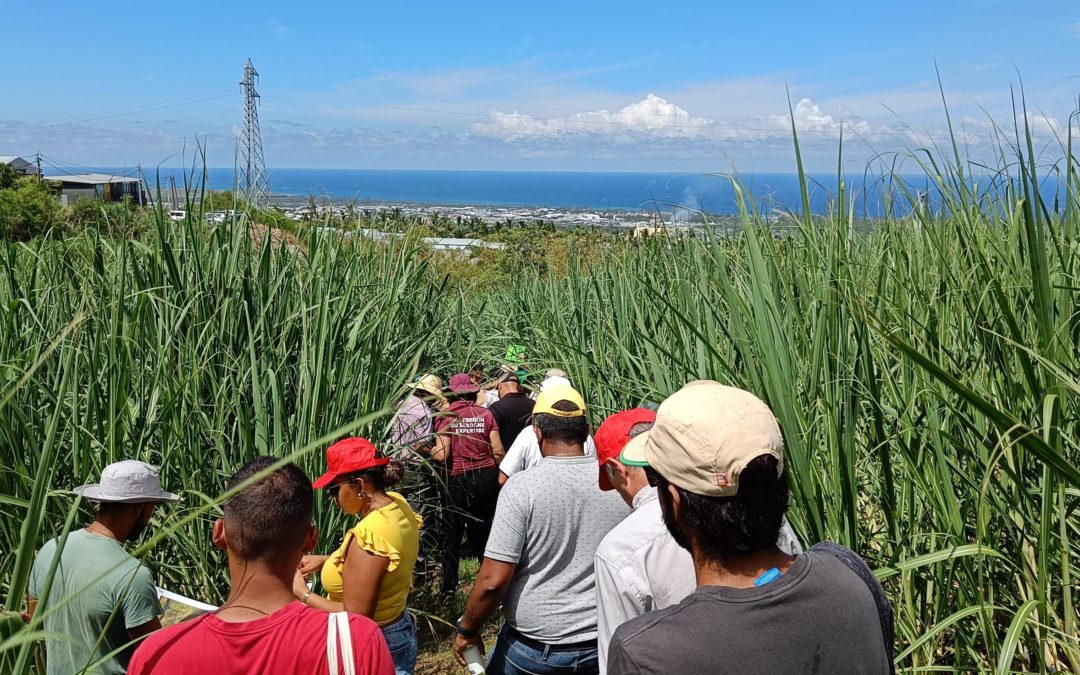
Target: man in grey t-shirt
(539, 557)
(716, 457)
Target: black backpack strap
(856, 564)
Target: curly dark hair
(382, 477)
(733, 526)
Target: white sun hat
(555, 381)
(128, 482)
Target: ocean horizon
(596, 191)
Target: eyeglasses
(333, 489)
(654, 477)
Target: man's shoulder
(160, 642)
(360, 625)
(520, 484)
(652, 627)
(302, 621)
(45, 553)
(311, 618)
(639, 530)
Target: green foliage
(113, 219)
(8, 176)
(924, 372)
(28, 209)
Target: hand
(299, 586)
(311, 563)
(461, 643)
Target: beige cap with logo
(704, 435)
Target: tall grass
(923, 368)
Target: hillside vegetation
(923, 370)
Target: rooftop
(93, 179)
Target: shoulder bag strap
(344, 633)
(856, 564)
(332, 645)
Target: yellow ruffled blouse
(393, 532)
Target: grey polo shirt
(549, 521)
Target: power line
(120, 114)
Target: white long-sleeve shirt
(524, 453)
(640, 568)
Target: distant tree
(28, 209)
(8, 176)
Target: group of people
(659, 546)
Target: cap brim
(633, 453)
(580, 412)
(423, 388)
(324, 480)
(94, 492)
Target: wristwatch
(464, 632)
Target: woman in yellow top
(371, 572)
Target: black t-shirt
(512, 413)
(819, 617)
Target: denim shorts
(511, 656)
(401, 639)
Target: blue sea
(567, 190)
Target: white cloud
(652, 116)
(656, 119)
(277, 28)
(1041, 126)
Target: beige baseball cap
(704, 435)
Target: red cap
(349, 456)
(614, 434)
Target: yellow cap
(551, 395)
(705, 434)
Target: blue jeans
(401, 639)
(511, 656)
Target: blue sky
(619, 86)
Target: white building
(98, 186)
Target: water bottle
(474, 660)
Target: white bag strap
(345, 636)
(331, 645)
(338, 633)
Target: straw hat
(430, 383)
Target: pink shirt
(291, 640)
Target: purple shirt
(412, 423)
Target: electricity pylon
(253, 185)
